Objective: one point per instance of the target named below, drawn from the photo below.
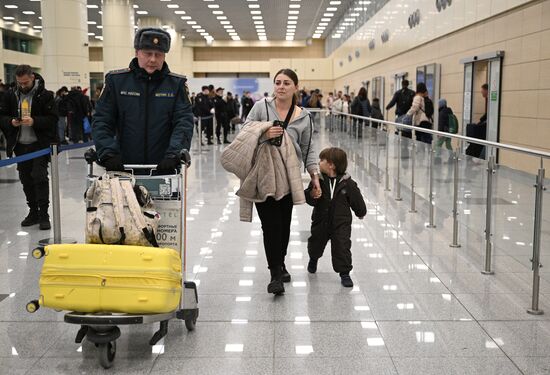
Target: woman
(360, 107)
(276, 215)
(418, 113)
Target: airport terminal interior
(451, 263)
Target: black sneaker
(45, 222)
(285, 276)
(276, 287)
(312, 266)
(346, 281)
(31, 219)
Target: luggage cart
(102, 328)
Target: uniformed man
(222, 122)
(203, 109)
(144, 115)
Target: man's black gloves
(168, 165)
(113, 162)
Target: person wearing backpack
(360, 107)
(421, 112)
(447, 123)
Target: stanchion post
(413, 161)
(539, 192)
(387, 179)
(200, 135)
(431, 223)
(455, 199)
(398, 186)
(488, 216)
(377, 153)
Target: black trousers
(207, 126)
(222, 123)
(340, 245)
(33, 174)
(276, 217)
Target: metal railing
(338, 121)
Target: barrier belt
(44, 151)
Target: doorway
(480, 70)
(378, 90)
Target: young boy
(331, 219)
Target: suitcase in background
(93, 278)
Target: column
(65, 43)
(118, 34)
(174, 57)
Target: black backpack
(428, 107)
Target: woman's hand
(274, 132)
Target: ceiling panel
(274, 13)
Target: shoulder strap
(290, 112)
(136, 213)
(266, 109)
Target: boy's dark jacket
(336, 212)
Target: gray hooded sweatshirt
(300, 130)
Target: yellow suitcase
(92, 278)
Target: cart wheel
(107, 354)
(190, 324)
(38, 253)
(32, 306)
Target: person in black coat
(28, 118)
(331, 218)
(202, 109)
(402, 99)
(376, 112)
(220, 107)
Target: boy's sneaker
(44, 221)
(346, 280)
(31, 219)
(312, 265)
(285, 276)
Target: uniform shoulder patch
(177, 75)
(118, 71)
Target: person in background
(231, 109)
(193, 95)
(446, 124)
(237, 108)
(222, 122)
(28, 118)
(331, 218)
(202, 109)
(330, 100)
(361, 107)
(420, 114)
(376, 112)
(61, 105)
(247, 104)
(402, 99)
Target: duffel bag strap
(118, 206)
(136, 213)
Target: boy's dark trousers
(34, 177)
(340, 245)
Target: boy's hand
(315, 193)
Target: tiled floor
(418, 305)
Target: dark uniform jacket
(43, 112)
(335, 213)
(150, 115)
(220, 107)
(203, 105)
(404, 99)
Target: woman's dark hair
(421, 88)
(362, 93)
(336, 156)
(289, 73)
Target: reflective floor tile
(213, 366)
(19, 338)
(476, 282)
(16, 366)
(221, 340)
(69, 366)
(225, 308)
(502, 306)
(521, 339)
(333, 366)
(400, 282)
(533, 365)
(443, 306)
(322, 339)
(455, 366)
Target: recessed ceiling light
(258, 22)
(23, 27)
(92, 6)
(28, 12)
(183, 37)
(142, 12)
(253, 6)
(202, 31)
(191, 22)
(11, 6)
(204, 34)
(99, 27)
(24, 22)
(221, 17)
(213, 6)
(255, 12)
(8, 23)
(355, 14)
(257, 18)
(185, 17)
(196, 27)
(335, 2)
(292, 22)
(91, 34)
(100, 12)
(321, 27)
(316, 36)
(293, 12)
(323, 23)
(224, 22)
(292, 17)
(235, 38)
(262, 37)
(136, 6)
(294, 6)
(92, 22)
(37, 27)
(329, 9)
(328, 14)
(291, 27)
(172, 6)
(217, 12)
(179, 12)
(325, 19)
(289, 38)
(8, 18)
(227, 26)
(99, 37)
